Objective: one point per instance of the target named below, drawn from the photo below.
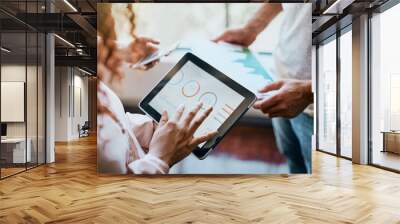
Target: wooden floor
(5, 172)
(70, 191)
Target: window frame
(333, 37)
(339, 32)
(31, 30)
(378, 10)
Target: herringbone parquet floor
(70, 191)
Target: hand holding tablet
(191, 81)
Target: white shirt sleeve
(117, 143)
(149, 165)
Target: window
(335, 106)
(197, 20)
(346, 94)
(327, 97)
(14, 156)
(385, 89)
(22, 75)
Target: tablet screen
(190, 85)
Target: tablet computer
(192, 80)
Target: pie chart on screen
(191, 88)
(178, 78)
(209, 99)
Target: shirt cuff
(149, 165)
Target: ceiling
(72, 20)
(332, 15)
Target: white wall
(15, 73)
(79, 117)
(70, 83)
(61, 103)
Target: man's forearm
(263, 17)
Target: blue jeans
(293, 137)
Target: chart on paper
(239, 63)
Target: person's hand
(141, 48)
(290, 99)
(242, 36)
(173, 139)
